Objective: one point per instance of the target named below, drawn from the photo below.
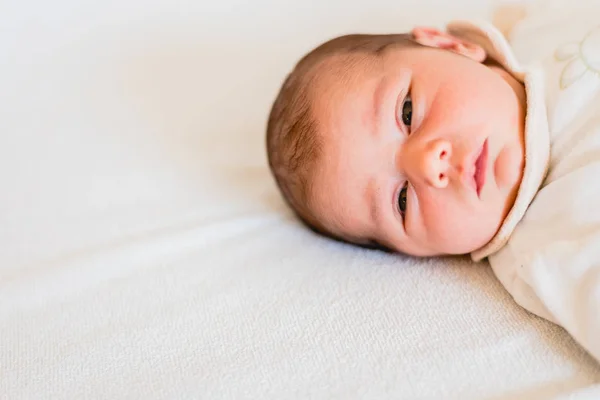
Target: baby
(414, 142)
(459, 142)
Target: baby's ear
(432, 37)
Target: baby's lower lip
(481, 168)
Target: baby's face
(423, 150)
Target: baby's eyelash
(406, 111)
(403, 199)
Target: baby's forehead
(344, 70)
(334, 106)
(337, 80)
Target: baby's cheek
(454, 228)
(442, 218)
(508, 168)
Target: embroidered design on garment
(583, 57)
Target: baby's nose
(435, 162)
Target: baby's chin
(470, 238)
(448, 249)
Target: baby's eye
(407, 111)
(402, 199)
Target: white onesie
(547, 252)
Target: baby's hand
(507, 16)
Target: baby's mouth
(481, 168)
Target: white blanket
(146, 254)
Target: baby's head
(413, 142)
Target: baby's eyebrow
(372, 196)
(378, 99)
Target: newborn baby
(414, 142)
(459, 141)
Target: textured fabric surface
(145, 253)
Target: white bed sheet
(146, 254)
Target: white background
(145, 252)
